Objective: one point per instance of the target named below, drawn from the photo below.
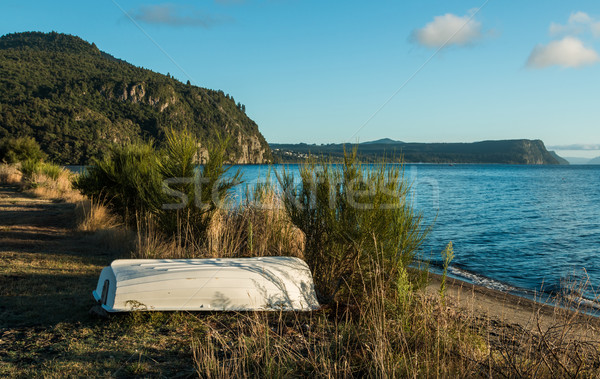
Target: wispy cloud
(567, 52)
(174, 15)
(576, 147)
(578, 23)
(449, 29)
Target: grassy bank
(53, 249)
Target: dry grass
(254, 229)
(564, 343)
(420, 336)
(46, 181)
(150, 243)
(10, 174)
(46, 187)
(258, 228)
(419, 339)
(93, 214)
(105, 228)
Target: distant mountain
(77, 101)
(594, 161)
(577, 160)
(506, 151)
(382, 141)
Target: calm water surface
(517, 228)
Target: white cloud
(567, 52)
(578, 23)
(579, 17)
(448, 30)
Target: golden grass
(421, 340)
(93, 214)
(254, 229)
(10, 174)
(45, 187)
(420, 336)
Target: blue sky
(322, 72)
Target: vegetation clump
(354, 217)
(25, 165)
(22, 149)
(162, 185)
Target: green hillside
(77, 101)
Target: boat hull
(238, 284)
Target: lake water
(522, 229)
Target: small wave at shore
(549, 295)
(480, 280)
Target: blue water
(522, 229)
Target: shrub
(141, 180)
(13, 150)
(353, 215)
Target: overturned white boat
(223, 284)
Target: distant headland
(519, 151)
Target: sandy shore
(505, 309)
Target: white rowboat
(222, 284)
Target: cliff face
(533, 152)
(77, 101)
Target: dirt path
(44, 264)
(47, 273)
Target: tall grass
(256, 228)
(382, 338)
(418, 336)
(93, 215)
(259, 227)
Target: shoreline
(507, 308)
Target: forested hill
(76, 101)
(505, 151)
